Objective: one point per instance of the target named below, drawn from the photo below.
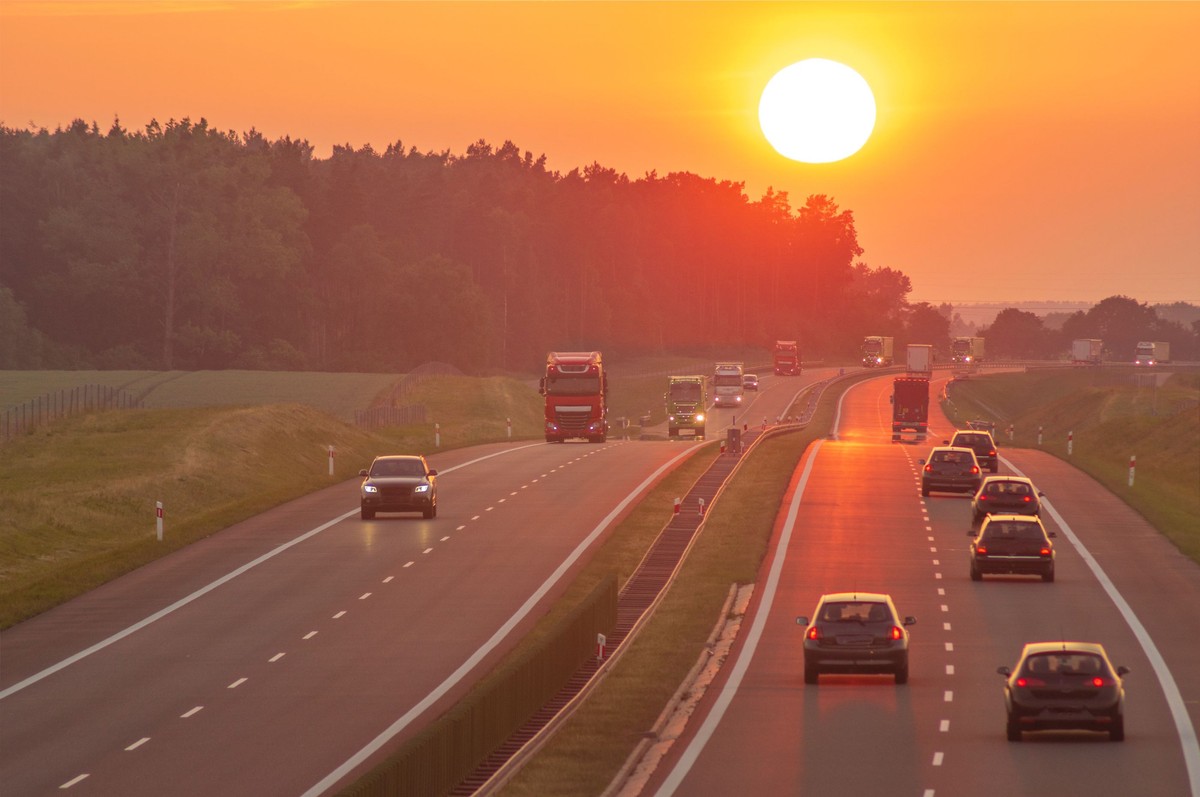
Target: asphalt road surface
(289, 653)
(861, 524)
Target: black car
(982, 443)
(399, 483)
(1008, 495)
(1064, 686)
(749, 381)
(1012, 544)
(950, 469)
(855, 632)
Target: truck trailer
(910, 406)
(1086, 351)
(787, 358)
(576, 389)
(687, 404)
(727, 385)
(1151, 353)
(920, 359)
(877, 352)
(966, 350)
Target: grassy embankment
(77, 496)
(1114, 413)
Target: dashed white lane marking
(427, 550)
(514, 492)
(237, 683)
(409, 564)
(310, 635)
(929, 528)
(928, 793)
(490, 508)
(364, 596)
(502, 500)
(937, 576)
(137, 744)
(937, 759)
(388, 579)
(944, 726)
(948, 696)
(941, 591)
(949, 647)
(460, 528)
(945, 608)
(193, 711)
(276, 657)
(73, 781)
(945, 626)
(932, 549)
(949, 669)
(339, 615)
(936, 563)
(476, 517)
(443, 539)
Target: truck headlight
(699, 416)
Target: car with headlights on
(950, 469)
(1007, 495)
(1064, 686)
(750, 382)
(1013, 545)
(399, 483)
(855, 632)
(982, 443)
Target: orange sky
(1023, 151)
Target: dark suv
(982, 443)
(400, 483)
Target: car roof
(1033, 648)
(387, 457)
(1018, 479)
(1012, 517)
(865, 597)
(970, 451)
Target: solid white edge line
(117, 637)
(465, 668)
(1183, 723)
(706, 730)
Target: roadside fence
(24, 418)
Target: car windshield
(1013, 531)
(398, 467)
(1063, 663)
(856, 612)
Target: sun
(817, 111)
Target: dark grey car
(399, 483)
(950, 469)
(855, 632)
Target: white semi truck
(1086, 351)
(1152, 353)
(727, 385)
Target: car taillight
(983, 498)
(929, 469)
(814, 633)
(1027, 499)
(992, 453)
(1045, 551)
(1098, 682)
(981, 550)
(974, 469)
(1030, 682)
(897, 632)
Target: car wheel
(810, 674)
(1117, 732)
(1048, 576)
(902, 674)
(1013, 729)
(975, 574)
(367, 514)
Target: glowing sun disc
(817, 111)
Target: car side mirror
(970, 532)
(432, 472)
(1005, 671)
(910, 620)
(891, 399)
(920, 462)
(945, 442)
(1052, 533)
(801, 620)
(1122, 671)
(1041, 494)
(362, 472)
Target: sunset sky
(1022, 151)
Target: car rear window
(1065, 663)
(1013, 531)
(856, 612)
(970, 440)
(959, 457)
(1008, 488)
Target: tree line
(179, 246)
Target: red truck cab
(576, 389)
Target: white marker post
(437, 435)
(601, 640)
(331, 460)
(1070, 442)
(677, 505)
(1039, 435)
(701, 507)
(158, 513)
(1132, 467)
(509, 420)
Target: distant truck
(966, 350)
(687, 402)
(576, 389)
(1086, 351)
(910, 406)
(877, 352)
(920, 359)
(787, 358)
(727, 385)
(1151, 353)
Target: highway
(289, 653)
(859, 522)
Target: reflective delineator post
(158, 513)
(1070, 442)
(331, 460)
(509, 426)
(701, 507)
(437, 435)
(764, 426)
(677, 505)
(601, 640)
(1132, 466)
(1010, 432)
(1039, 435)
(722, 446)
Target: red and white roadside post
(601, 641)
(677, 505)
(1039, 435)
(701, 507)
(509, 421)
(1132, 467)
(1070, 442)
(437, 435)
(722, 446)
(1010, 432)
(158, 515)
(331, 460)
